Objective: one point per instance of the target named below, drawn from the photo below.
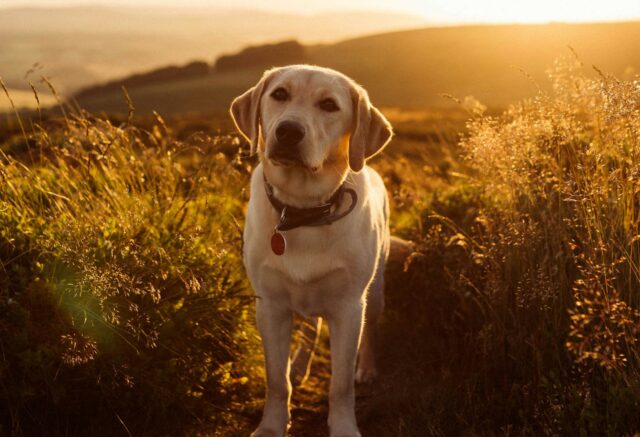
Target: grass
(523, 298)
(125, 310)
(124, 306)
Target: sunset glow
(436, 11)
(512, 11)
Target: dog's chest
(310, 253)
(309, 298)
(322, 267)
(314, 273)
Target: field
(124, 308)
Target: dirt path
(309, 402)
(309, 405)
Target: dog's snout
(289, 133)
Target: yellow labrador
(317, 235)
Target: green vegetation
(520, 311)
(123, 304)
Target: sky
(441, 11)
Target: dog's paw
(366, 374)
(342, 420)
(262, 432)
(348, 431)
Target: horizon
(433, 12)
(201, 30)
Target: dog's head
(310, 125)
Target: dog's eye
(280, 94)
(328, 105)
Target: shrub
(123, 304)
(567, 164)
(523, 297)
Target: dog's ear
(245, 111)
(371, 130)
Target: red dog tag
(278, 243)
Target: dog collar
(292, 217)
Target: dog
(316, 236)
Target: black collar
(292, 217)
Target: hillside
(495, 64)
(82, 46)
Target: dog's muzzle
(289, 134)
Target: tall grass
(123, 304)
(568, 165)
(524, 296)
(560, 174)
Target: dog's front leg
(274, 323)
(345, 326)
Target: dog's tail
(400, 249)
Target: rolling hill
(84, 45)
(495, 64)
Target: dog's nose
(289, 133)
